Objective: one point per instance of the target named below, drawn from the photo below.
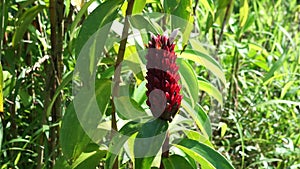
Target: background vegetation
(255, 42)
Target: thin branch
(2, 27)
(223, 26)
(56, 22)
(165, 149)
(195, 7)
(117, 75)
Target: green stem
(165, 148)
(231, 80)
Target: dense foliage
(239, 68)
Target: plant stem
(223, 26)
(2, 26)
(231, 79)
(117, 74)
(165, 149)
(56, 68)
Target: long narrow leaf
(24, 22)
(189, 80)
(210, 90)
(205, 60)
(200, 118)
(205, 155)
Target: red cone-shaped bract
(162, 74)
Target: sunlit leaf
(138, 6)
(244, 11)
(78, 17)
(207, 61)
(224, 10)
(1, 132)
(208, 4)
(275, 67)
(90, 158)
(223, 127)
(286, 87)
(200, 118)
(210, 90)
(195, 135)
(189, 80)
(203, 154)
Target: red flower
(162, 74)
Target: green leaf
(286, 87)
(211, 90)
(258, 48)
(176, 162)
(138, 6)
(189, 80)
(78, 17)
(24, 21)
(208, 5)
(203, 154)
(102, 15)
(61, 163)
(288, 102)
(250, 20)
(185, 21)
(128, 108)
(118, 141)
(73, 138)
(67, 4)
(197, 45)
(92, 38)
(205, 60)
(244, 11)
(1, 94)
(195, 135)
(140, 22)
(66, 79)
(223, 127)
(103, 93)
(90, 104)
(222, 13)
(139, 93)
(152, 136)
(3, 21)
(183, 10)
(276, 66)
(89, 158)
(200, 118)
(1, 133)
(170, 6)
(133, 61)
